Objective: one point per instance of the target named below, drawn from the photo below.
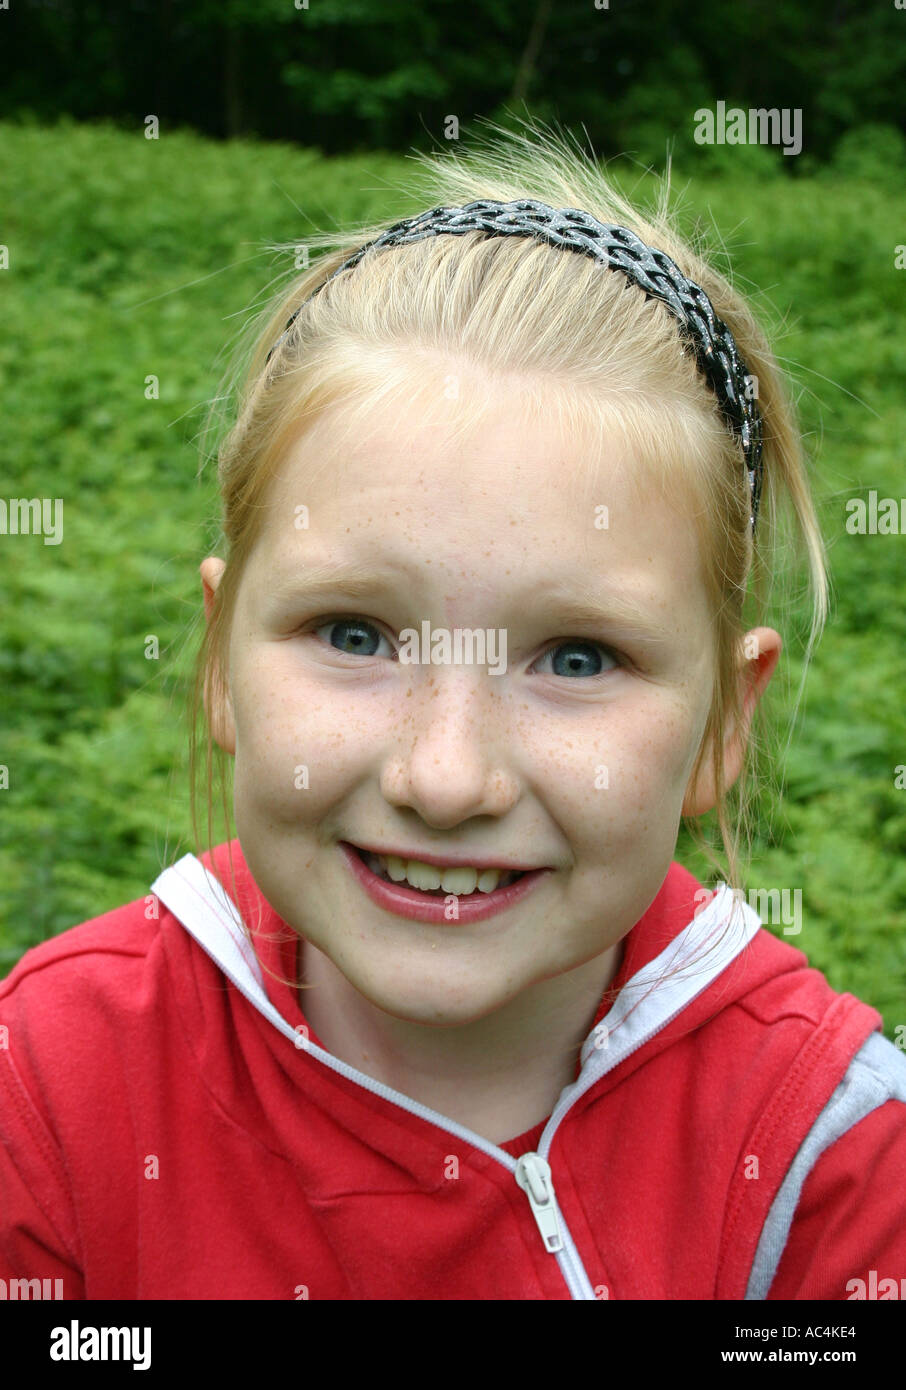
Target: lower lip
(421, 907)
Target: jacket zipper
(533, 1174)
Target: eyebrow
(357, 581)
(578, 605)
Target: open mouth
(488, 882)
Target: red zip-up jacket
(170, 1128)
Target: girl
(446, 1020)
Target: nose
(453, 757)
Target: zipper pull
(533, 1174)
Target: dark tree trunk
(526, 70)
(232, 83)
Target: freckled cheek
(622, 778)
(290, 732)
(662, 754)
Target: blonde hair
(579, 339)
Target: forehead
(511, 484)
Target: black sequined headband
(620, 249)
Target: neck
(499, 1075)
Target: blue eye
(584, 663)
(359, 640)
(359, 637)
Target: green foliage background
(131, 257)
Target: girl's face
(577, 757)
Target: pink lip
(418, 907)
(450, 861)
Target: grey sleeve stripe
(876, 1074)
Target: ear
(220, 710)
(760, 650)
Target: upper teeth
(457, 880)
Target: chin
(431, 1003)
